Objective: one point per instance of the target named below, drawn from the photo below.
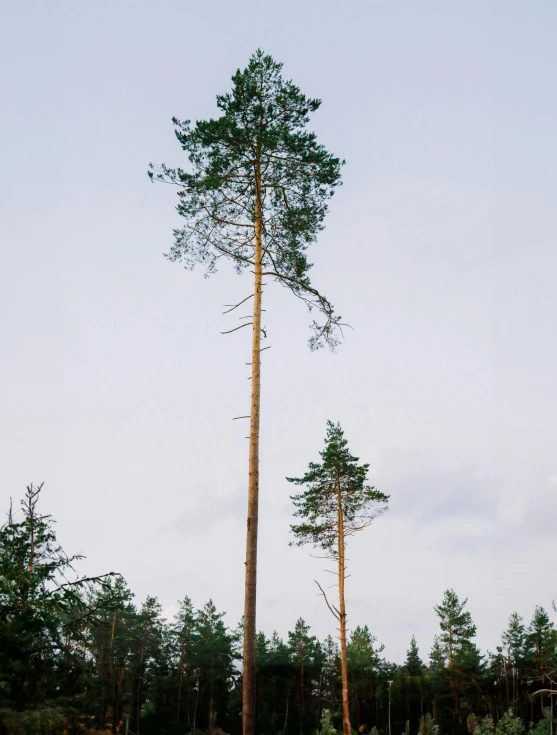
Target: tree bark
(342, 616)
(248, 677)
(302, 702)
(211, 711)
(180, 675)
(195, 707)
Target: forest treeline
(77, 653)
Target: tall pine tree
(336, 504)
(256, 194)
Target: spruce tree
(255, 193)
(303, 649)
(542, 639)
(515, 641)
(185, 637)
(215, 656)
(364, 663)
(413, 664)
(413, 669)
(336, 504)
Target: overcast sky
(439, 249)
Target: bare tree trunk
(195, 707)
(139, 688)
(180, 674)
(116, 701)
(506, 682)
(113, 675)
(342, 616)
(302, 702)
(211, 711)
(248, 677)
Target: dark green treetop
(318, 504)
(43, 601)
(216, 644)
(457, 627)
(363, 652)
(413, 664)
(541, 637)
(514, 639)
(257, 154)
(436, 655)
(301, 644)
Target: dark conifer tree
(303, 649)
(457, 632)
(413, 671)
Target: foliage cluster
(77, 653)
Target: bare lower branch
(236, 328)
(545, 691)
(235, 306)
(335, 614)
(240, 417)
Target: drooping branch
(335, 614)
(235, 306)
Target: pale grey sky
(118, 389)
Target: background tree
(516, 645)
(364, 662)
(184, 636)
(336, 504)
(86, 656)
(256, 194)
(44, 605)
(303, 652)
(215, 658)
(455, 639)
(147, 635)
(412, 673)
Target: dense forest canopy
(80, 654)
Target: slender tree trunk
(286, 713)
(389, 720)
(116, 700)
(211, 711)
(506, 682)
(342, 615)
(180, 674)
(139, 689)
(302, 702)
(112, 675)
(195, 707)
(248, 677)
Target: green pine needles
(256, 193)
(335, 504)
(256, 162)
(337, 485)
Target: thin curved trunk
(342, 615)
(248, 687)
